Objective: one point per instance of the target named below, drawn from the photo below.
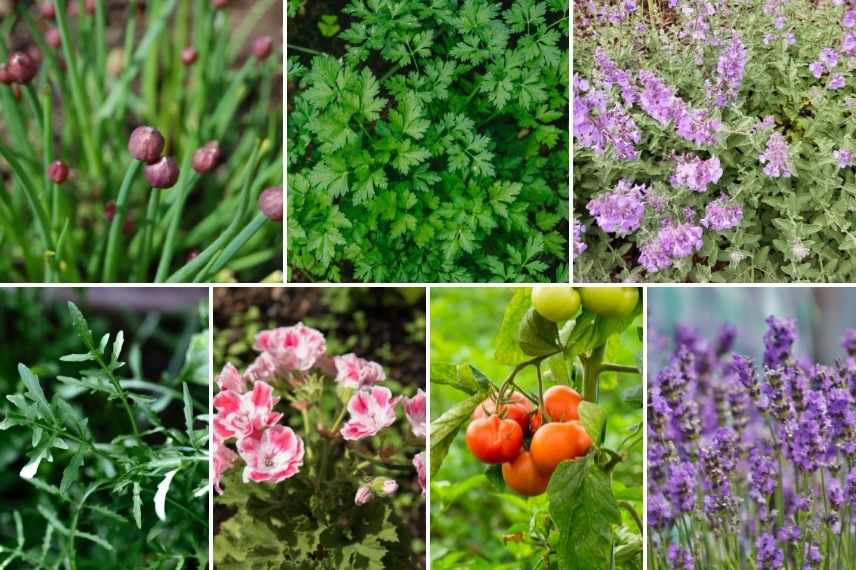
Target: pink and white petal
(359, 406)
(255, 475)
(227, 401)
(262, 395)
(222, 430)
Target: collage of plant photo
(427, 284)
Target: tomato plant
(572, 492)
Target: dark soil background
(383, 324)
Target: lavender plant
(732, 124)
(751, 462)
(136, 140)
(111, 469)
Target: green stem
(148, 232)
(177, 208)
(233, 247)
(305, 49)
(591, 374)
(109, 273)
(612, 367)
(629, 508)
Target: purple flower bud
(364, 495)
(219, 4)
(89, 6)
(162, 174)
(146, 144)
(263, 47)
(207, 157)
(58, 171)
(47, 10)
(53, 38)
(22, 68)
(189, 55)
(270, 203)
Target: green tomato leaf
(537, 336)
(507, 348)
(462, 376)
(584, 509)
(445, 428)
(494, 475)
(593, 419)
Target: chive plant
(132, 137)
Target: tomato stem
(629, 508)
(591, 373)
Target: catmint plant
(428, 142)
(315, 455)
(110, 462)
(734, 116)
(750, 458)
(84, 81)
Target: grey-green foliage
(96, 485)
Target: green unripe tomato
(555, 304)
(610, 301)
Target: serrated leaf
(536, 335)
(34, 389)
(69, 475)
(137, 506)
(507, 348)
(80, 325)
(188, 410)
(593, 419)
(77, 357)
(444, 428)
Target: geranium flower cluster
(762, 457)
(272, 452)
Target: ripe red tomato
(535, 421)
(557, 441)
(561, 403)
(521, 475)
(515, 407)
(494, 440)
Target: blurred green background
(472, 525)
(822, 315)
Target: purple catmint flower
(817, 69)
(828, 57)
(621, 210)
(601, 125)
(146, 144)
(22, 68)
(769, 555)
(681, 487)
(776, 157)
(680, 558)
(848, 20)
(163, 173)
(779, 340)
(848, 44)
(695, 173)
(579, 246)
(730, 69)
(206, 157)
(58, 171)
(843, 157)
(721, 215)
(656, 98)
(270, 203)
(837, 81)
(695, 126)
(672, 242)
(611, 75)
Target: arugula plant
(436, 148)
(128, 488)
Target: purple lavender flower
(579, 245)
(762, 475)
(848, 342)
(659, 511)
(851, 488)
(777, 157)
(721, 215)
(621, 210)
(813, 557)
(680, 558)
(842, 157)
(809, 443)
(779, 340)
(695, 173)
(769, 555)
(681, 486)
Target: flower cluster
(776, 157)
(673, 241)
(291, 356)
(762, 459)
(621, 210)
(696, 173)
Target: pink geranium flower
(224, 458)
(414, 409)
(243, 415)
(231, 379)
(419, 463)
(276, 455)
(355, 372)
(263, 368)
(372, 409)
(293, 348)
